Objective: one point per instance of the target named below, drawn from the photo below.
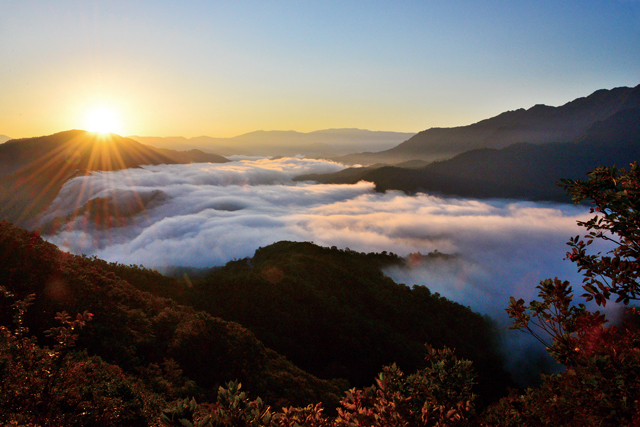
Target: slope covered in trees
(139, 332)
(144, 351)
(335, 314)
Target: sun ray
(45, 166)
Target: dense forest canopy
(330, 311)
(333, 313)
(85, 342)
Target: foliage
(298, 297)
(439, 395)
(556, 318)
(58, 387)
(616, 194)
(234, 408)
(173, 350)
(309, 416)
(167, 380)
(181, 413)
(601, 384)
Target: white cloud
(207, 214)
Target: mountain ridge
(286, 142)
(522, 171)
(540, 124)
(518, 171)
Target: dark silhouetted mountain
(32, 170)
(520, 171)
(321, 143)
(604, 129)
(620, 128)
(91, 151)
(539, 124)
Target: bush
(601, 382)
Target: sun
(102, 120)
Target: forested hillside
(130, 358)
(137, 333)
(333, 313)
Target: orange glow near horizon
(82, 155)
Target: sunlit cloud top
(225, 68)
(207, 214)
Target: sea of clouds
(204, 215)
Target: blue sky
(225, 68)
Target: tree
(616, 195)
(438, 395)
(601, 383)
(59, 386)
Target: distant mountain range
(518, 171)
(32, 170)
(518, 154)
(321, 143)
(540, 124)
(4, 138)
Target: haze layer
(207, 214)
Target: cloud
(207, 214)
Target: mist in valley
(204, 215)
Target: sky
(219, 68)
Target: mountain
(4, 138)
(152, 339)
(619, 128)
(336, 315)
(32, 170)
(519, 171)
(90, 151)
(540, 124)
(321, 143)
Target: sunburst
(103, 120)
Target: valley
(307, 275)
